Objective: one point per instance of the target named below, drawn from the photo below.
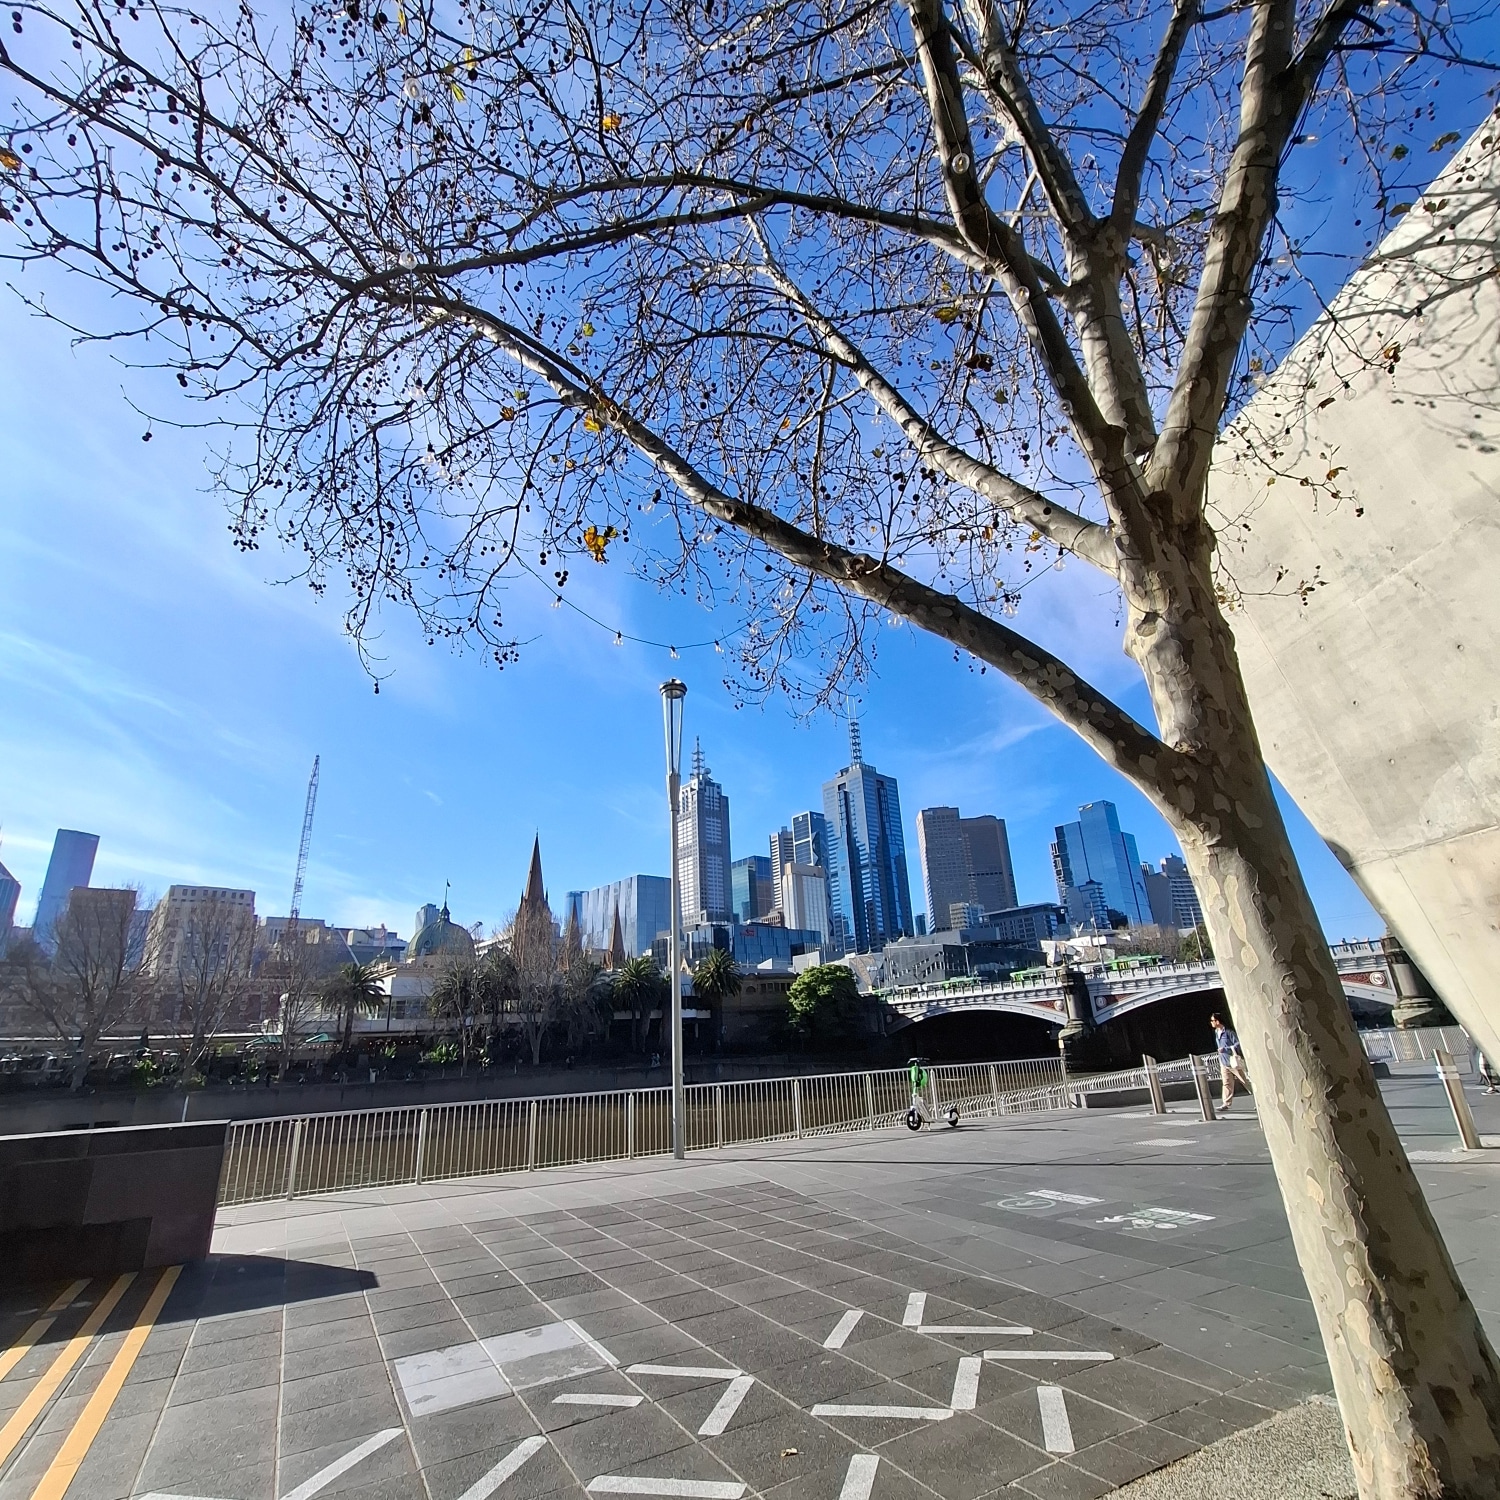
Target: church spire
(535, 893)
(616, 943)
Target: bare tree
(298, 971)
(86, 986)
(583, 1010)
(197, 970)
(457, 1001)
(842, 313)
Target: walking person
(1231, 1061)
(1487, 1073)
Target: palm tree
(716, 978)
(456, 998)
(353, 991)
(638, 987)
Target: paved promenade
(1045, 1306)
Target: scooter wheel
(953, 1118)
(913, 1120)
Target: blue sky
(156, 688)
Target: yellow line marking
(23, 1345)
(76, 1447)
(57, 1372)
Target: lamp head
(672, 694)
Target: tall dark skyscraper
(965, 862)
(72, 864)
(868, 885)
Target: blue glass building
(752, 888)
(71, 865)
(1095, 852)
(869, 891)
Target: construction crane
(307, 817)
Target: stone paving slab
(1043, 1308)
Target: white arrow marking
(1048, 1354)
(903, 1413)
(697, 1372)
(966, 1384)
(1008, 1330)
(679, 1489)
(584, 1398)
(860, 1480)
(1057, 1430)
(916, 1305)
(843, 1328)
(482, 1489)
(324, 1477)
(729, 1403)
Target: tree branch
(1142, 136)
(1061, 526)
(1120, 740)
(1274, 91)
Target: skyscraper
(72, 864)
(1094, 852)
(1186, 912)
(10, 893)
(641, 903)
(753, 892)
(703, 846)
(869, 892)
(783, 853)
(810, 839)
(965, 862)
(805, 889)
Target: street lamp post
(672, 694)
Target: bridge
(1115, 990)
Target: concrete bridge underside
(1368, 471)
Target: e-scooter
(920, 1113)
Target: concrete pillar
(1416, 1005)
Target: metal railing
(1419, 1044)
(296, 1156)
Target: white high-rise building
(804, 897)
(703, 847)
(200, 925)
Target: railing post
(1200, 1082)
(421, 1144)
(630, 1125)
(531, 1122)
(1153, 1082)
(994, 1090)
(797, 1107)
(869, 1102)
(293, 1158)
(1447, 1071)
(719, 1115)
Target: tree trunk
(1416, 1378)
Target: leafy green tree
(639, 987)
(716, 978)
(351, 991)
(825, 1005)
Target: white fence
(296, 1156)
(291, 1157)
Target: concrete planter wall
(88, 1203)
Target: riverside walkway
(1045, 1306)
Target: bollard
(1447, 1071)
(1200, 1082)
(1153, 1082)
